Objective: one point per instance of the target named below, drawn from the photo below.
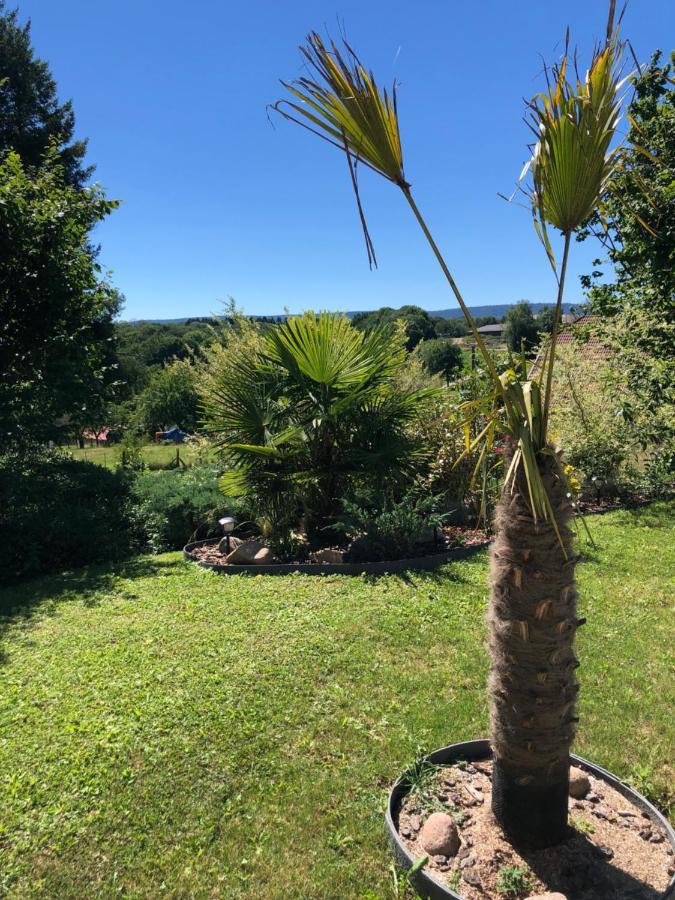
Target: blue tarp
(175, 435)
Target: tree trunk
(533, 690)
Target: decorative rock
(555, 896)
(656, 838)
(250, 553)
(329, 556)
(471, 877)
(234, 543)
(468, 863)
(579, 783)
(604, 851)
(439, 835)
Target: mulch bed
(615, 852)
(450, 537)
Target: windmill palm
(532, 617)
(312, 415)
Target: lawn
(153, 454)
(169, 732)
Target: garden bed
(619, 845)
(206, 554)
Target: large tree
(56, 329)
(639, 212)
(31, 117)
(522, 329)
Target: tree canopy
(31, 118)
(56, 333)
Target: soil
(614, 852)
(449, 538)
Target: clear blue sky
(216, 202)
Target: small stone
(468, 863)
(439, 835)
(471, 877)
(329, 556)
(415, 823)
(604, 851)
(443, 798)
(463, 853)
(603, 813)
(468, 840)
(234, 543)
(592, 798)
(669, 851)
(578, 805)
(645, 815)
(555, 896)
(627, 813)
(656, 838)
(471, 770)
(406, 832)
(580, 784)
(671, 870)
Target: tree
(418, 324)
(31, 118)
(450, 327)
(441, 357)
(169, 399)
(546, 319)
(533, 602)
(522, 329)
(56, 332)
(639, 211)
(309, 412)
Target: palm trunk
(533, 689)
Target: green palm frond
(575, 125)
(344, 105)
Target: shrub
(391, 532)
(57, 513)
(175, 506)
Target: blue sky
(216, 202)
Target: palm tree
(532, 614)
(311, 416)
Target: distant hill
(497, 310)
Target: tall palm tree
(532, 613)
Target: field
(153, 454)
(169, 732)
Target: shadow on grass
(43, 595)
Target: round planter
(430, 561)
(426, 885)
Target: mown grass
(169, 732)
(153, 454)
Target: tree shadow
(42, 596)
(581, 872)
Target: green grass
(168, 732)
(153, 454)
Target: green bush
(59, 513)
(175, 506)
(390, 532)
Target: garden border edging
(421, 563)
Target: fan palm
(533, 602)
(313, 414)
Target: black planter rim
(428, 886)
(382, 567)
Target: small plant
(455, 880)
(402, 878)
(582, 826)
(420, 778)
(391, 531)
(515, 881)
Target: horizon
(216, 202)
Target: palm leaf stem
(556, 329)
(451, 281)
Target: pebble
(439, 835)
(468, 863)
(580, 784)
(471, 877)
(656, 838)
(604, 851)
(463, 853)
(592, 798)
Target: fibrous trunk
(533, 688)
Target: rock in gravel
(329, 556)
(250, 553)
(439, 835)
(468, 863)
(234, 543)
(471, 877)
(580, 784)
(546, 897)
